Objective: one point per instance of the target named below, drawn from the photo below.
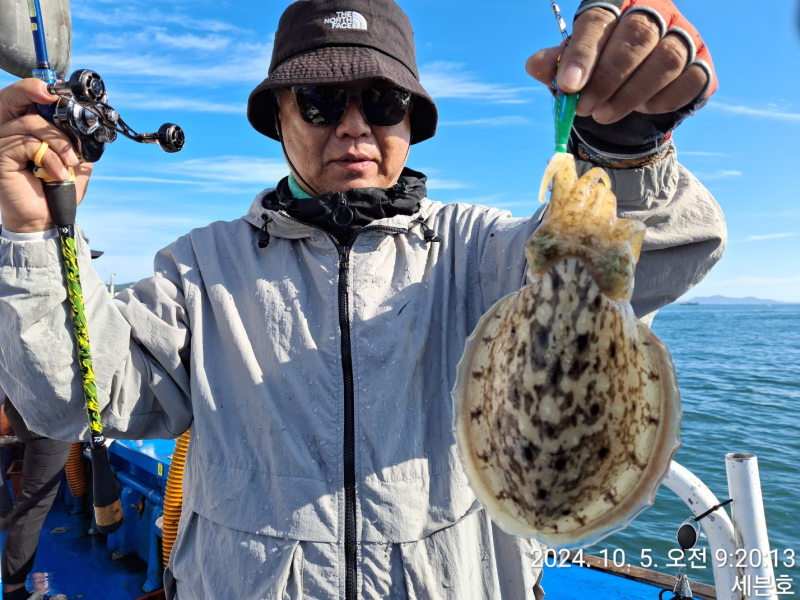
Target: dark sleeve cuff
(602, 153)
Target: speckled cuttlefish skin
(567, 412)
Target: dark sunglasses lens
(321, 105)
(385, 106)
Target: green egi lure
(564, 105)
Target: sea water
(739, 375)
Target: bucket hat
(328, 42)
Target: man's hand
(22, 131)
(623, 66)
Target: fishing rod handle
(107, 506)
(62, 201)
(61, 196)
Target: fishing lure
(564, 104)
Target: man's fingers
(591, 32)
(51, 161)
(35, 126)
(542, 65)
(663, 66)
(631, 42)
(16, 99)
(685, 89)
(22, 149)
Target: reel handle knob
(170, 137)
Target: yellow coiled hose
(5, 426)
(173, 498)
(76, 471)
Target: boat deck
(78, 565)
(576, 583)
(72, 563)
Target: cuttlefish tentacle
(581, 222)
(566, 408)
(561, 166)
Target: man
(43, 463)
(312, 344)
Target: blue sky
(195, 63)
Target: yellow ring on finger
(37, 160)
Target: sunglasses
(326, 105)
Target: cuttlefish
(566, 406)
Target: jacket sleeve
(685, 235)
(139, 345)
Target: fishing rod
(83, 114)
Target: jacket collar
(281, 224)
(284, 226)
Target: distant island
(725, 300)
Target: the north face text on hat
(347, 19)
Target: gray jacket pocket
(212, 562)
(472, 560)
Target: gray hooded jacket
(243, 345)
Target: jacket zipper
(350, 544)
(350, 549)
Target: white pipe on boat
(717, 526)
(750, 527)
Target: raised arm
(138, 344)
(641, 68)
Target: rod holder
(750, 524)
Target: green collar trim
(295, 188)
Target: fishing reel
(83, 114)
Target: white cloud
(492, 121)
(699, 153)
(514, 101)
(193, 42)
(245, 64)
(771, 236)
(231, 169)
(445, 184)
(137, 13)
(792, 212)
(769, 112)
(139, 41)
(222, 175)
(187, 104)
(149, 37)
(137, 179)
(449, 80)
(720, 174)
